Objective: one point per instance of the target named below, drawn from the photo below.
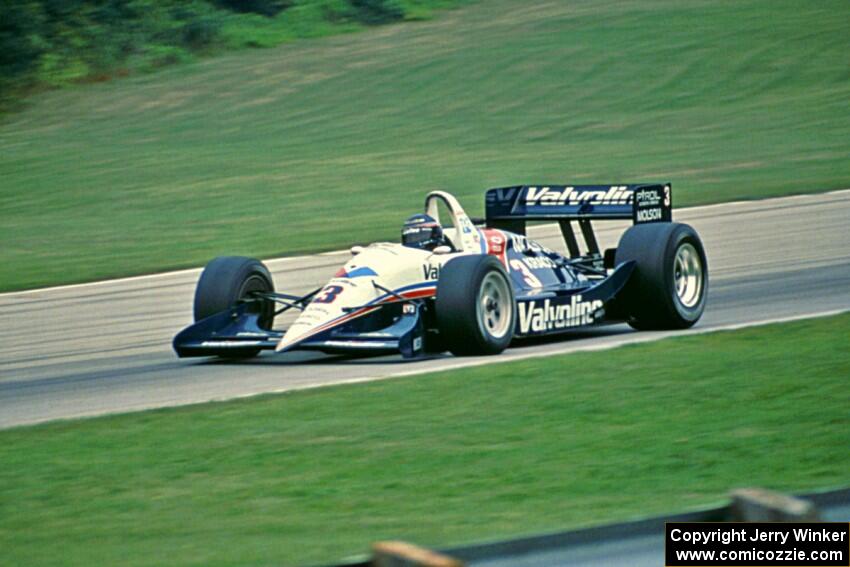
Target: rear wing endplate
(510, 208)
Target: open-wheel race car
(469, 287)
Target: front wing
(230, 332)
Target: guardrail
(638, 542)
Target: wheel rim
(688, 275)
(253, 283)
(494, 305)
(265, 308)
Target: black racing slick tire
(224, 282)
(475, 306)
(669, 286)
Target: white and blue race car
(469, 287)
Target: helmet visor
(417, 235)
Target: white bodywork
(409, 272)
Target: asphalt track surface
(106, 347)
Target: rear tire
(669, 287)
(475, 306)
(227, 280)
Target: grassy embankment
(480, 453)
(325, 142)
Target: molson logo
(539, 317)
(649, 215)
(615, 195)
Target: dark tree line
(46, 43)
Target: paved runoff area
(106, 347)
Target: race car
(468, 286)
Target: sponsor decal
(648, 197)
(496, 243)
(431, 271)
(649, 215)
(615, 195)
(466, 225)
(522, 245)
(503, 194)
(542, 316)
(652, 204)
(539, 262)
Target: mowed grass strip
(322, 143)
(474, 454)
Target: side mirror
(442, 249)
(355, 250)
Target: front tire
(669, 287)
(475, 306)
(227, 280)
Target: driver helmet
(423, 232)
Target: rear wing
(510, 208)
(641, 203)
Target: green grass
(476, 454)
(321, 143)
